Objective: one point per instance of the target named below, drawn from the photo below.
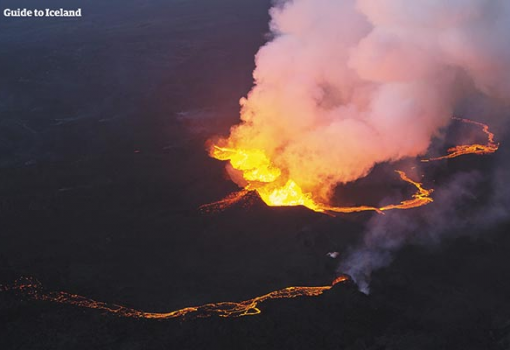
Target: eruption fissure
(262, 181)
(32, 289)
(262, 176)
(268, 181)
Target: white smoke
(347, 84)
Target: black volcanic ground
(102, 168)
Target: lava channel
(33, 289)
(475, 148)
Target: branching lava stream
(32, 289)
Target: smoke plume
(459, 209)
(346, 84)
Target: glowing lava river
(476, 148)
(291, 195)
(33, 290)
(261, 176)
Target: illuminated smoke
(347, 84)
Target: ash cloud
(345, 84)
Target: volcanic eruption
(345, 85)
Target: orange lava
(420, 198)
(275, 189)
(340, 279)
(231, 199)
(32, 288)
(476, 148)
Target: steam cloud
(346, 84)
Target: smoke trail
(347, 84)
(458, 210)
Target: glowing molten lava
(32, 288)
(231, 199)
(262, 176)
(267, 180)
(276, 189)
(488, 148)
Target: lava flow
(266, 179)
(275, 189)
(32, 289)
(231, 199)
(420, 198)
(476, 148)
